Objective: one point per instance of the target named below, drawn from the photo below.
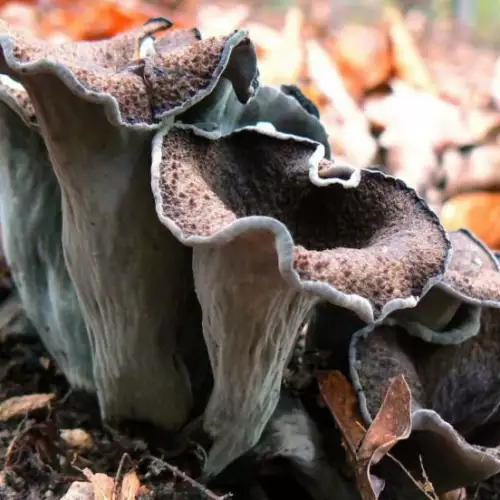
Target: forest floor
(51, 437)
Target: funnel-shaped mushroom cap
(30, 211)
(275, 228)
(97, 103)
(454, 386)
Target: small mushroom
(274, 229)
(30, 210)
(97, 109)
(451, 363)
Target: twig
(118, 475)
(18, 435)
(425, 476)
(413, 480)
(178, 473)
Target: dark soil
(36, 463)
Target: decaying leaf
(367, 448)
(459, 494)
(79, 490)
(130, 486)
(20, 405)
(103, 485)
(409, 65)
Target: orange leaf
(342, 402)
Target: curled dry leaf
(20, 405)
(367, 448)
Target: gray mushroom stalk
(30, 211)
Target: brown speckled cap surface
(140, 92)
(377, 241)
(179, 76)
(176, 39)
(98, 67)
(473, 272)
(18, 100)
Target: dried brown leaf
(79, 490)
(20, 405)
(391, 424)
(342, 402)
(103, 485)
(409, 64)
(130, 486)
(364, 448)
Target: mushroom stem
(129, 271)
(251, 320)
(30, 210)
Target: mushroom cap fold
(454, 395)
(15, 96)
(167, 79)
(450, 312)
(357, 238)
(474, 273)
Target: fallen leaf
(478, 211)
(20, 405)
(409, 64)
(391, 424)
(77, 438)
(79, 490)
(102, 484)
(460, 494)
(366, 448)
(342, 402)
(130, 486)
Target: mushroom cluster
(171, 225)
